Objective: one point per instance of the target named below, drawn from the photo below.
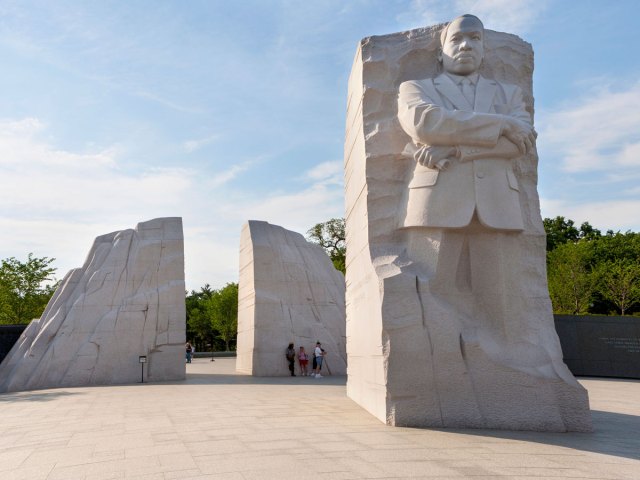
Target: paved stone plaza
(219, 425)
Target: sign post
(142, 359)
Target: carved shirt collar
(473, 78)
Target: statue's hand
(442, 165)
(521, 134)
(433, 156)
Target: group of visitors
(303, 360)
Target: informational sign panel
(600, 346)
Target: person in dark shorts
(291, 358)
(318, 355)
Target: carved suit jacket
(434, 112)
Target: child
(303, 359)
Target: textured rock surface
(126, 301)
(289, 291)
(424, 358)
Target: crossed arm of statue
(442, 135)
(517, 138)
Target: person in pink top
(303, 359)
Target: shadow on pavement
(35, 396)
(234, 379)
(613, 433)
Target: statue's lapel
(447, 88)
(485, 91)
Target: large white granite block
(449, 322)
(289, 291)
(126, 301)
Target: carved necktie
(468, 91)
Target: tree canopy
(571, 283)
(24, 291)
(222, 309)
(560, 231)
(589, 272)
(212, 315)
(330, 235)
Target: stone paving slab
(219, 425)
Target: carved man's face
(463, 47)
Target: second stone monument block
(289, 291)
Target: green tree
(198, 322)
(222, 310)
(570, 277)
(589, 232)
(614, 250)
(560, 231)
(616, 246)
(330, 235)
(619, 282)
(24, 291)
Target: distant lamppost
(142, 359)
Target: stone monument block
(449, 322)
(289, 291)
(126, 301)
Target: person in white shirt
(318, 353)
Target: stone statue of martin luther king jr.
(466, 129)
(463, 215)
(462, 290)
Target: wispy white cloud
(220, 178)
(191, 146)
(154, 97)
(319, 200)
(598, 132)
(52, 191)
(21, 146)
(328, 173)
(502, 15)
(55, 202)
(297, 211)
(615, 214)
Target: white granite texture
(289, 291)
(126, 301)
(485, 356)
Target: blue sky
(115, 112)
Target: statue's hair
(443, 32)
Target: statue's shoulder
(507, 87)
(424, 84)
(419, 82)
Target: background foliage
(589, 272)
(24, 291)
(330, 236)
(212, 317)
